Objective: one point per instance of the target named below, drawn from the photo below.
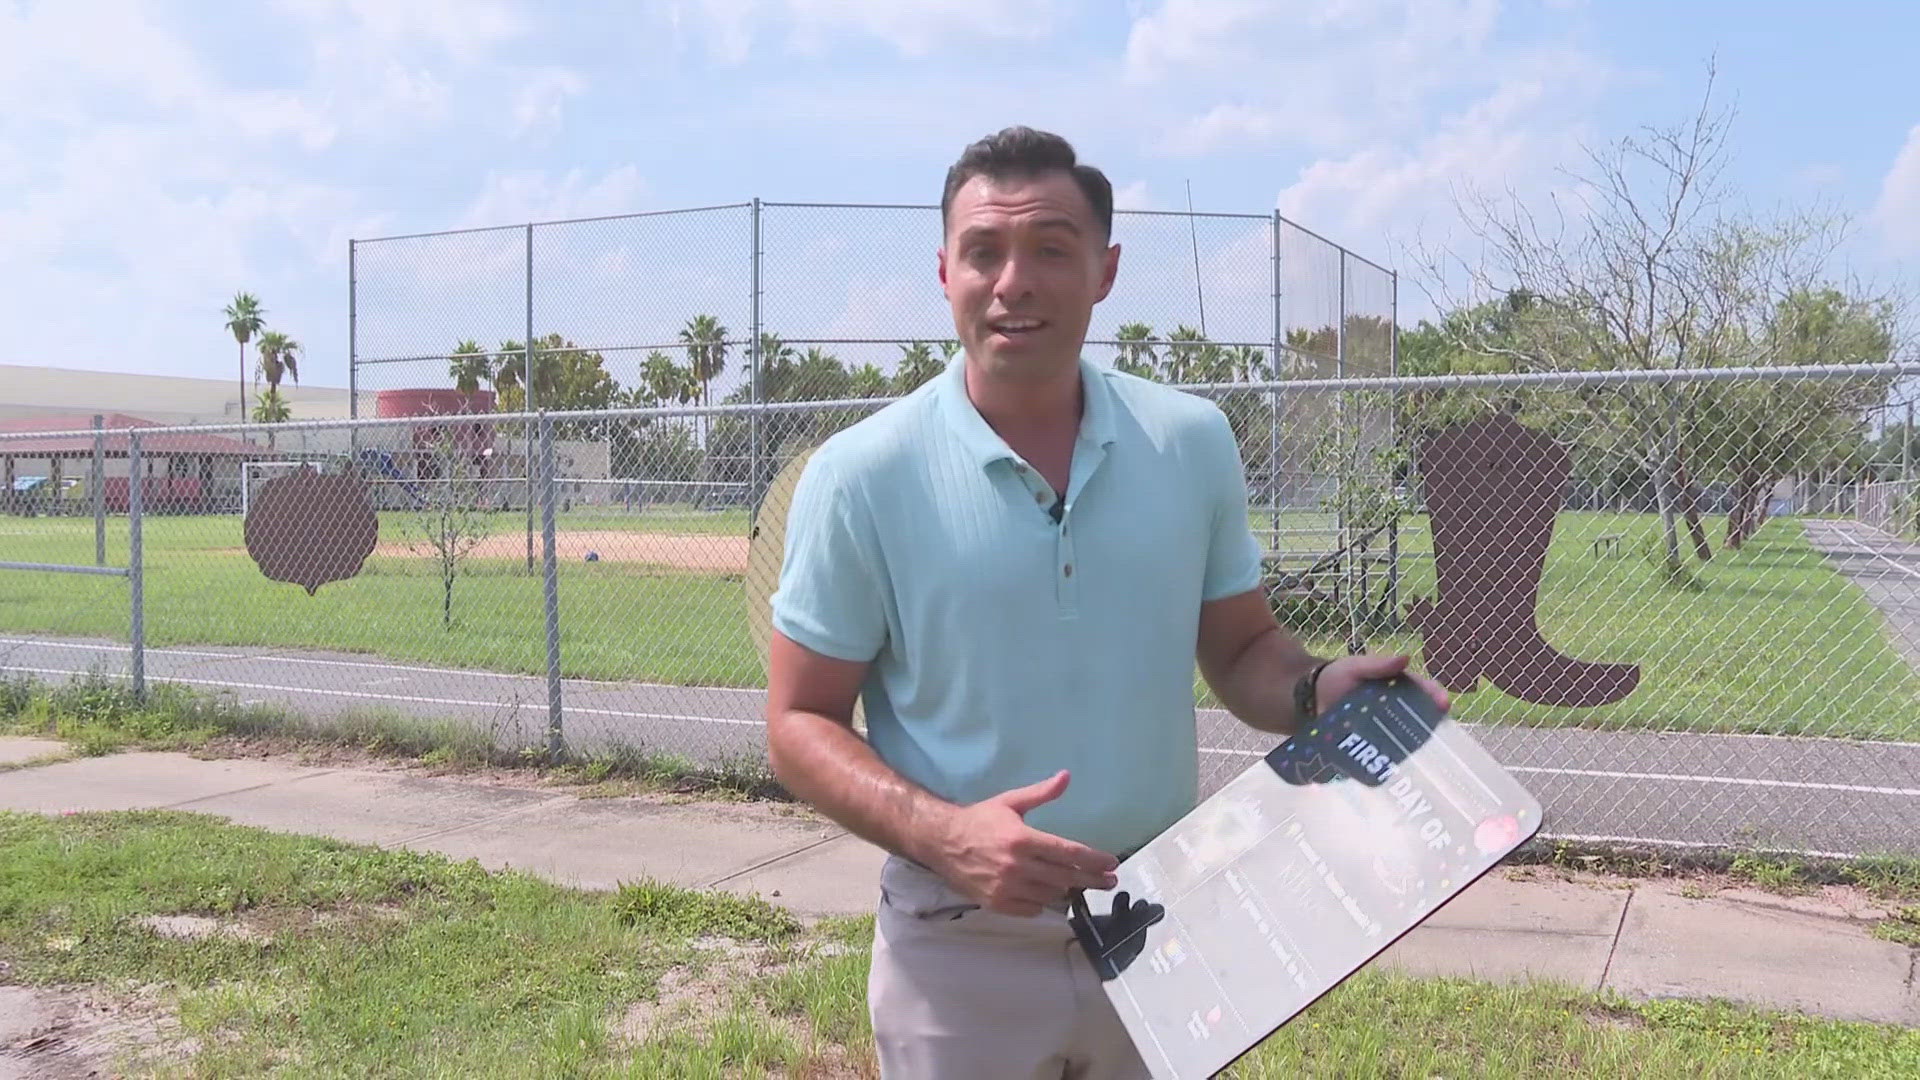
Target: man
(1018, 566)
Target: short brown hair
(1024, 152)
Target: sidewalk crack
(801, 850)
(244, 790)
(490, 819)
(1618, 929)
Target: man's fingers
(1434, 690)
(1022, 800)
(1062, 877)
(1058, 849)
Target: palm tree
(776, 367)
(469, 366)
(245, 317)
(1136, 349)
(917, 365)
(706, 342)
(665, 382)
(271, 408)
(279, 357)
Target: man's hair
(1022, 152)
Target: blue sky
(157, 157)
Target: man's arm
(1250, 661)
(818, 756)
(986, 850)
(1253, 664)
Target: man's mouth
(1015, 327)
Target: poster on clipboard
(1296, 874)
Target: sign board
(1296, 874)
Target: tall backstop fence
(764, 302)
(1639, 586)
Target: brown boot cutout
(1492, 490)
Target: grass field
(243, 952)
(1768, 639)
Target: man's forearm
(826, 764)
(1257, 686)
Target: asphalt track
(1815, 796)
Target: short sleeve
(829, 596)
(1234, 553)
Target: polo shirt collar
(985, 445)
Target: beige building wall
(163, 399)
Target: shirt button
(1040, 497)
(1067, 569)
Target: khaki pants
(961, 993)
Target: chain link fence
(1661, 619)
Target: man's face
(1023, 265)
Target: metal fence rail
(1690, 645)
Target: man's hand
(988, 852)
(1344, 675)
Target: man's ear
(1109, 272)
(941, 258)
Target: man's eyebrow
(1061, 222)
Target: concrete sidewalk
(1639, 938)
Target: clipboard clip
(1112, 941)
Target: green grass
(1766, 639)
(97, 715)
(333, 959)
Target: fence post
(526, 385)
(136, 569)
(1273, 396)
(96, 480)
(1393, 439)
(353, 353)
(552, 589)
(1906, 447)
(753, 354)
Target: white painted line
(379, 664)
(1848, 537)
(1586, 838)
(1738, 781)
(531, 706)
(387, 682)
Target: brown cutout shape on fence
(310, 529)
(1493, 488)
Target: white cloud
(1133, 196)
(543, 96)
(144, 182)
(466, 30)
(1898, 208)
(516, 197)
(732, 27)
(1249, 74)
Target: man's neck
(1028, 404)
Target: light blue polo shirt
(1005, 646)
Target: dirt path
(721, 553)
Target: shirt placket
(1065, 588)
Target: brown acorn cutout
(310, 529)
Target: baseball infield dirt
(723, 554)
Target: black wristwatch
(1306, 698)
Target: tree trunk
(1689, 492)
(1663, 498)
(1740, 517)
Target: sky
(158, 157)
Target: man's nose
(1015, 281)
